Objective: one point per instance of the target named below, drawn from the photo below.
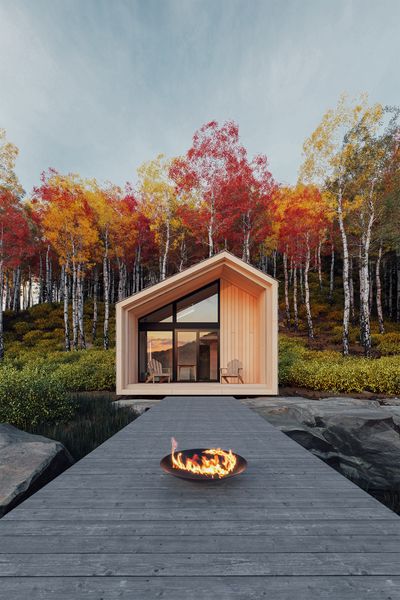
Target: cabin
(210, 330)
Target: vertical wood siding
(240, 330)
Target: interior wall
(240, 330)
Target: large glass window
(186, 342)
(200, 307)
(162, 315)
(208, 356)
(155, 347)
(182, 337)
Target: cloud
(100, 87)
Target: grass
(94, 421)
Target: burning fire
(213, 462)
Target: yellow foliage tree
(334, 157)
(159, 202)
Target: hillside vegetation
(38, 378)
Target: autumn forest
(333, 235)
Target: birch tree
(158, 199)
(62, 205)
(328, 153)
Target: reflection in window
(200, 307)
(187, 355)
(155, 345)
(208, 356)
(162, 315)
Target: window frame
(175, 325)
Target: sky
(100, 86)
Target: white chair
(156, 373)
(234, 371)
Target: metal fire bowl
(166, 465)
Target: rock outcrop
(27, 462)
(360, 438)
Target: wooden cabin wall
(240, 329)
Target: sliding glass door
(186, 355)
(196, 355)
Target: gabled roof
(224, 264)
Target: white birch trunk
(332, 275)
(17, 290)
(301, 277)
(319, 264)
(379, 290)
(74, 304)
(287, 307)
(48, 284)
(164, 261)
(67, 342)
(182, 255)
(41, 284)
(210, 228)
(246, 237)
(307, 289)
(295, 310)
(80, 288)
(365, 328)
(111, 275)
(351, 289)
(106, 289)
(7, 291)
(95, 307)
(30, 289)
(122, 272)
(346, 287)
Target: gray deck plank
(115, 526)
(204, 515)
(383, 528)
(204, 544)
(215, 564)
(201, 588)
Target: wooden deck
(115, 527)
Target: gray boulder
(27, 462)
(360, 438)
(137, 405)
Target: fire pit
(203, 464)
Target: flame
(213, 462)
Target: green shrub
(49, 323)
(329, 371)
(22, 327)
(31, 396)
(291, 350)
(32, 337)
(43, 310)
(95, 370)
(387, 343)
(337, 334)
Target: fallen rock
(137, 405)
(27, 463)
(360, 438)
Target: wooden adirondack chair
(156, 373)
(234, 371)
